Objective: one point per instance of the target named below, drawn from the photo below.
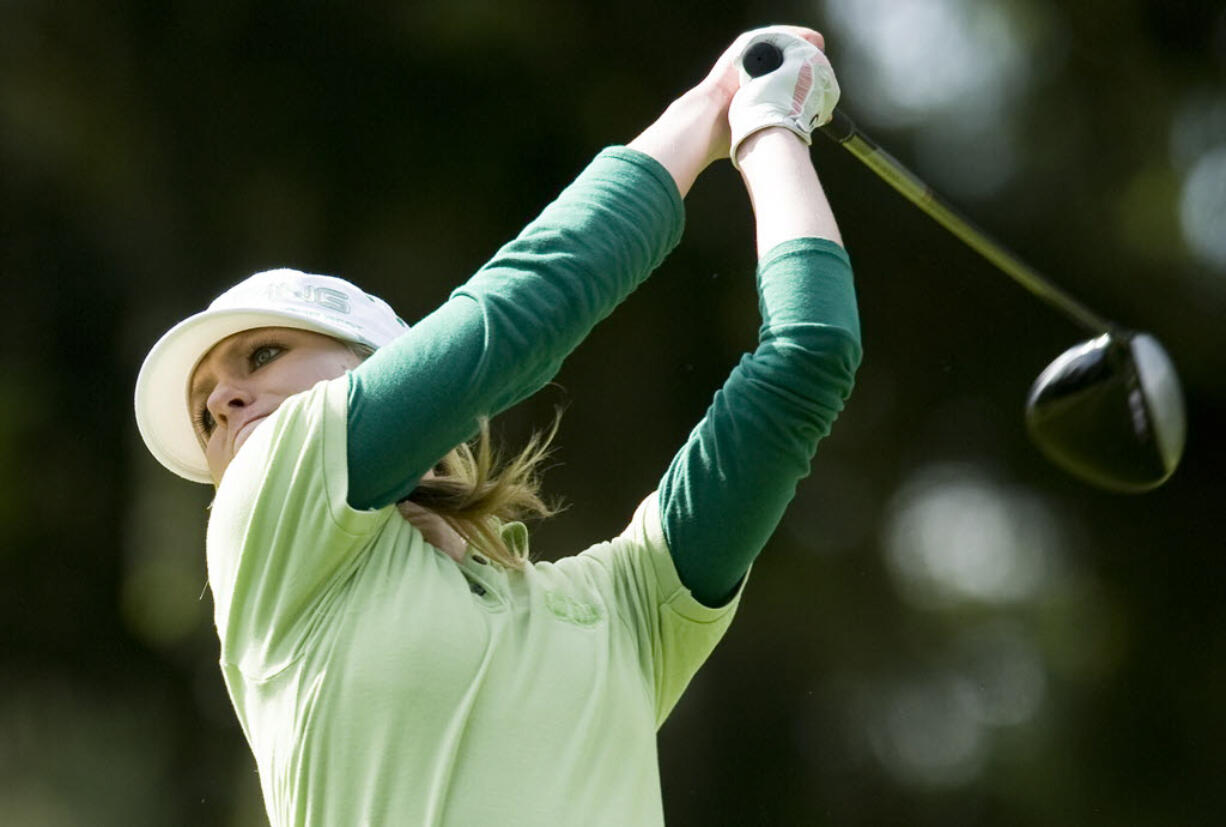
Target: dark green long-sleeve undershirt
(501, 336)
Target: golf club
(1109, 410)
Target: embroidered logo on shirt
(571, 610)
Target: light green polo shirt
(380, 682)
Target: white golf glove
(800, 95)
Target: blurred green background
(945, 630)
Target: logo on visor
(325, 297)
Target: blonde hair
(474, 491)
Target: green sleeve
(727, 488)
(503, 335)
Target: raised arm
(787, 197)
(726, 490)
(503, 335)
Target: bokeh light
(954, 535)
(1006, 668)
(952, 70)
(1202, 208)
(937, 728)
(925, 56)
(926, 733)
(1197, 149)
(959, 537)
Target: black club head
(1110, 411)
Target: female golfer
(392, 654)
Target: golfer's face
(247, 376)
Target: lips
(240, 436)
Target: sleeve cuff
(336, 463)
(655, 171)
(673, 592)
(801, 246)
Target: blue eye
(263, 354)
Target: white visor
(274, 298)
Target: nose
(226, 398)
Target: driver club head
(1110, 411)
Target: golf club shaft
(842, 130)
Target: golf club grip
(763, 57)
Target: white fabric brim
(162, 413)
